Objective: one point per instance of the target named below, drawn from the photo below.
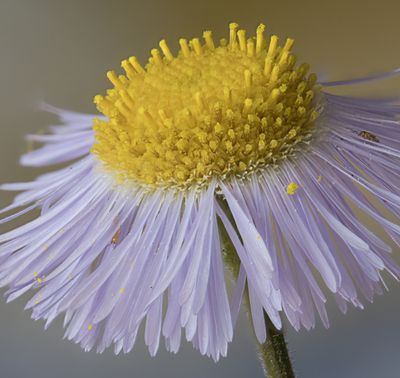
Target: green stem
(273, 353)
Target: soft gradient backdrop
(59, 51)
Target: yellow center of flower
(209, 111)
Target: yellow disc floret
(209, 111)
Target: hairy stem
(274, 354)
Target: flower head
(231, 141)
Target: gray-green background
(59, 51)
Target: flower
(235, 141)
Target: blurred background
(59, 51)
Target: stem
(273, 353)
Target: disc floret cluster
(209, 111)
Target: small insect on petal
(368, 136)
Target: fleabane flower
(230, 140)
